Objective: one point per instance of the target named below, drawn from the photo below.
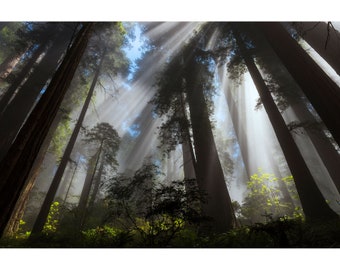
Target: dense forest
(170, 134)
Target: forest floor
(275, 234)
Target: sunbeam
(168, 134)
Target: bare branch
(328, 35)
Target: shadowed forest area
(170, 134)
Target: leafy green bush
(105, 236)
(52, 220)
(265, 201)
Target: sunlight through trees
(169, 134)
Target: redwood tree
(15, 113)
(189, 72)
(106, 141)
(313, 203)
(324, 39)
(105, 49)
(43, 213)
(16, 165)
(322, 92)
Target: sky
(134, 51)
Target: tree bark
(85, 193)
(324, 39)
(13, 117)
(9, 64)
(325, 148)
(96, 184)
(21, 76)
(15, 167)
(328, 154)
(42, 216)
(312, 201)
(189, 160)
(322, 92)
(210, 177)
(18, 212)
(240, 132)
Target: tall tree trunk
(18, 212)
(239, 131)
(312, 201)
(96, 184)
(13, 117)
(15, 167)
(210, 177)
(42, 216)
(86, 186)
(9, 64)
(325, 148)
(21, 76)
(71, 182)
(286, 196)
(324, 39)
(328, 154)
(322, 92)
(85, 193)
(189, 160)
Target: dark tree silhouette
(107, 142)
(312, 201)
(322, 92)
(324, 39)
(181, 76)
(43, 213)
(20, 157)
(15, 113)
(103, 49)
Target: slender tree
(312, 201)
(106, 46)
(53, 142)
(180, 75)
(97, 183)
(85, 193)
(322, 92)
(41, 218)
(20, 77)
(75, 164)
(107, 142)
(288, 93)
(14, 115)
(15, 41)
(20, 157)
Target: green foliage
(264, 201)
(157, 232)
(60, 138)
(154, 212)
(10, 41)
(52, 220)
(104, 135)
(189, 70)
(112, 37)
(282, 233)
(105, 236)
(22, 232)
